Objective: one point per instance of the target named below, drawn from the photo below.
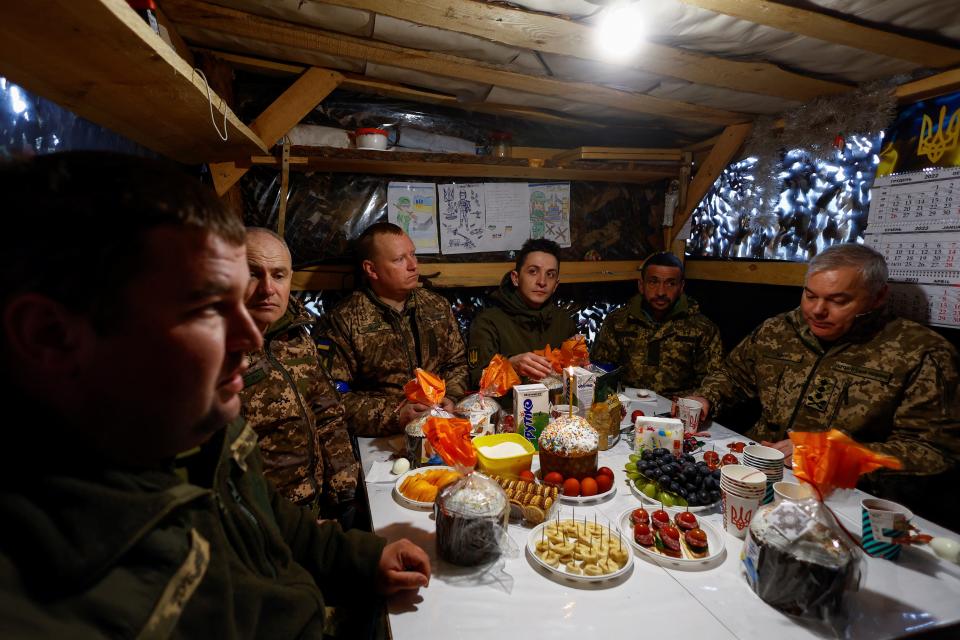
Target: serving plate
(410, 502)
(537, 536)
(600, 497)
(647, 500)
(715, 543)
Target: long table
(517, 599)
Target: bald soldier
(840, 360)
(384, 331)
(287, 397)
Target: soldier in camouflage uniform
(384, 331)
(840, 361)
(287, 397)
(660, 337)
(523, 316)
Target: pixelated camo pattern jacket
(890, 383)
(290, 402)
(670, 357)
(377, 348)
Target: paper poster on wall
(462, 217)
(550, 212)
(507, 219)
(412, 206)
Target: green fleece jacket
(88, 551)
(508, 327)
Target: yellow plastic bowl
(511, 466)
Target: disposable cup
(560, 410)
(737, 512)
(689, 412)
(791, 491)
(883, 522)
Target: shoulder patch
(863, 372)
(165, 615)
(473, 356)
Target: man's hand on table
(532, 366)
(784, 445)
(403, 567)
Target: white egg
(946, 548)
(400, 465)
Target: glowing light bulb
(621, 31)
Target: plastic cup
(689, 412)
(883, 522)
(791, 491)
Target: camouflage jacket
(509, 327)
(376, 349)
(94, 551)
(889, 383)
(670, 357)
(292, 405)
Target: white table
(519, 600)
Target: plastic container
(511, 466)
(501, 144)
(372, 139)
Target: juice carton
(586, 383)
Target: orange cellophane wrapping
(832, 460)
(450, 437)
(572, 353)
(498, 378)
(426, 389)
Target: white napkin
(381, 472)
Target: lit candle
(570, 383)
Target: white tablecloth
(518, 600)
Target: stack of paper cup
(741, 488)
(768, 460)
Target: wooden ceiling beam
(282, 115)
(298, 38)
(555, 35)
(821, 26)
(946, 82)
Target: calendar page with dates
(915, 223)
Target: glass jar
(501, 144)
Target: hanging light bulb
(621, 31)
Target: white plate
(645, 395)
(645, 499)
(560, 570)
(715, 542)
(404, 500)
(600, 497)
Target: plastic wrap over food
(800, 561)
(472, 516)
(31, 125)
(483, 412)
(819, 204)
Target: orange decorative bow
(426, 389)
(450, 437)
(572, 353)
(832, 459)
(498, 378)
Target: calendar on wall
(914, 222)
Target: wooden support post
(276, 121)
(284, 188)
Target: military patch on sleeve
(473, 356)
(863, 372)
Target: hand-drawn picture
(412, 207)
(550, 212)
(462, 217)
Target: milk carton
(586, 385)
(653, 433)
(531, 410)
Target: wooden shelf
(405, 164)
(470, 274)
(99, 59)
(759, 272)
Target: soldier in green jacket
(383, 332)
(522, 316)
(287, 397)
(840, 361)
(123, 339)
(660, 337)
